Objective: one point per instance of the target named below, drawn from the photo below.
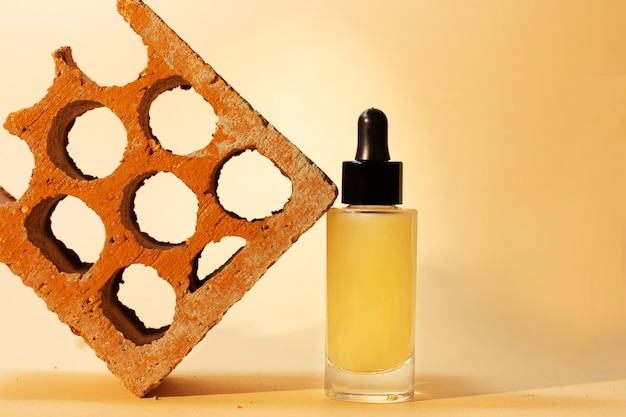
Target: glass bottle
(371, 268)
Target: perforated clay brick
(84, 295)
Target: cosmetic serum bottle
(371, 272)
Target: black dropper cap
(372, 179)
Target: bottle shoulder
(372, 209)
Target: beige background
(510, 117)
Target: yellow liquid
(370, 287)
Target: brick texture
(84, 295)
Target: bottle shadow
(186, 385)
(97, 387)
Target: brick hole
(151, 297)
(75, 225)
(139, 303)
(182, 120)
(62, 123)
(214, 257)
(166, 209)
(79, 228)
(96, 142)
(251, 186)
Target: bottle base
(392, 386)
(370, 397)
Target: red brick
(84, 295)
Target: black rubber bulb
(372, 179)
(372, 136)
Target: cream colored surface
(510, 117)
(88, 395)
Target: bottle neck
(372, 206)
